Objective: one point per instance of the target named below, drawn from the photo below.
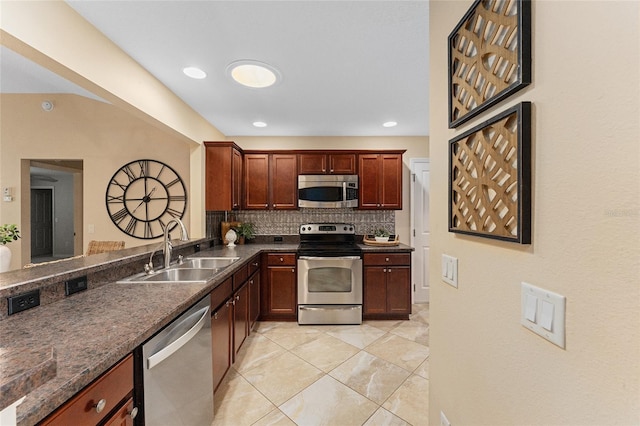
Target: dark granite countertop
(90, 331)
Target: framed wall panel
(490, 178)
(489, 56)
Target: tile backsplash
(287, 222)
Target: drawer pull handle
(100, 405)
(281, 259)
(215, 315)
(237, 297)
(255, 264)
(387, 259)
(133, 413)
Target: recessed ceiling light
(259, 124)
(253, 73)
(390, 124)
(194, 72)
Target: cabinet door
(391, 181)
(221, 342)
(312, 164)
(256, 181)
(236, 180)
(240, 317)
(254, 299)
(399, 290)
(282, 291)
(375, 290)
(284, 182)
(342, 164)
(369, 181)
(218, 177)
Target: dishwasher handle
(170, 349)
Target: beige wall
(485, 368)
(103, 136)
(417, 147)
(83, 55)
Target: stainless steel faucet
(168, 247)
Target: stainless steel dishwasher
(177, 371)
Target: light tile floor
(373, 374)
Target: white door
(420, 235)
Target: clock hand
(145, 199)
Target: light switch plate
(450, 270)
(549, 319)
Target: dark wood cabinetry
(240, 317)
(387, 285)
(314, 163)
(107, 400)
(270, 181)
(221, 322)
(279, 292)
(254, 292)
(223, 183)
(380, 176)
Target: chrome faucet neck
(167, 246)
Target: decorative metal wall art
(490, 178)
(489, 56)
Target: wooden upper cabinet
(256, 181)
(223, 183)
(270, 181)
(380, 179)
(284, 182)
(320, 163)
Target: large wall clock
(143, 196)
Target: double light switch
(543, 312)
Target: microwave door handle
(344, 193)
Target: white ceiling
(347, 66)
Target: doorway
(420, 232)
(41, 224)
(52, 209)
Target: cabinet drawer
(220, 294)
(112, 387)
(254, 265)
(387, 259)
(281, 259)
(240, 277)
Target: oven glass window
(329, 280)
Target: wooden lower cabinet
(279, 296)
(387, 286)
(240, 317)
(108, 399)
(254, 299)
(221, 322)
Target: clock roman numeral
(177, 198)
(129, 172)
(131, 226)
(173, 182)
(144, 167)
(147, 230)
(116, 183)
(119, 215)
(115, 199)
(173, 212)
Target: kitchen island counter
(92, 330)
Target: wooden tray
(370, 241)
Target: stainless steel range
(329, 275)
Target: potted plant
(8, 233)
(246, 231)
(381, 235)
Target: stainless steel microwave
(328, 191)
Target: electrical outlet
(23, 301)
(443, 420)
(277, 239)
(75, 285)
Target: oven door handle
(329, 258)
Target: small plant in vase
(246, 231)
(8, 233)
(381, 235)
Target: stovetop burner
(328, 240)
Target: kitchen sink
(207, 262)
(177, 275)
(193, 270)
